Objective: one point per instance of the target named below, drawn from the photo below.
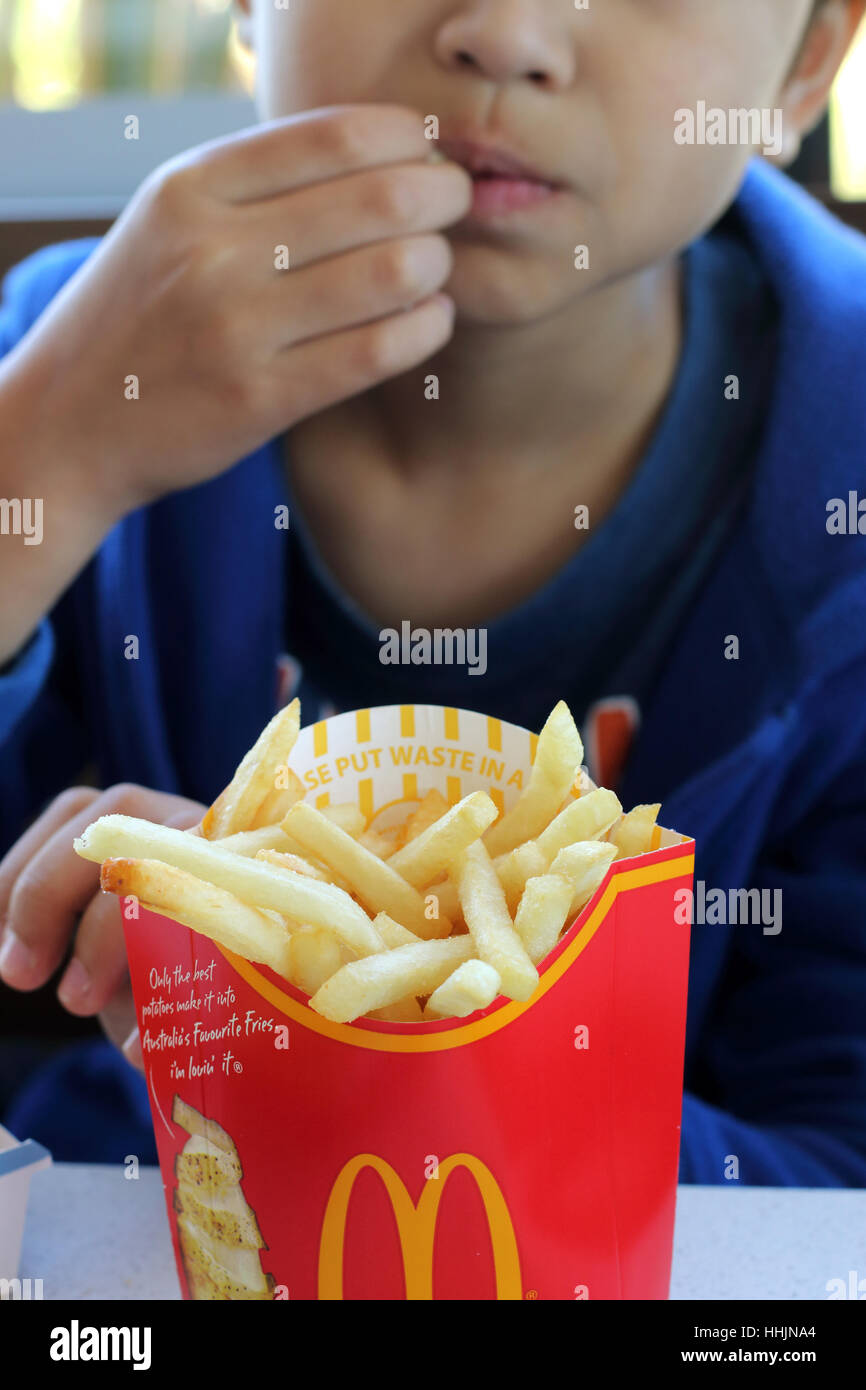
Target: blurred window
(848, 127)
(57, 53)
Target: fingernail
(16, 959)
(75, 983)
(132, 1049)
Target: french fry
(214, 912)
(314, 956)
(583, 783)
(287, 859)
(429, 854)
(515, 867)
(249, 842)
(581, 786)
(279, 800)
(406, 1010)
(447, 900)
(374, 983)
(433, 805)
(490, 926)
(392, 933)
(379, 842)
(292, 861)
(584, 865)
(633, 833)
(377, 885)
(474, 985)
(346, 816)
(237, 806)
(542, 914)
(557, 760)
(588, 818)
(293, 895)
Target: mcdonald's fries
(489, 923)
(474, 985)
(248, 842)
(201, 906)
(257, 777)
(287, 860)
(516, 867)
(379, 842)
(449, 902)
(347, 817)
(584, 865)
(433, 805)
(430, 852)
(314, 956)
(404, 1011)
(279, 799)
(296, 896)
(392, 933)
(557, 763)
(444, 895)
(379, 887)
(542, 913)
(632, 834)
(588, 818)
(368, 984)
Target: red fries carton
(527, 1151)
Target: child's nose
(504, 40)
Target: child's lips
(502, 183)
(494, 195)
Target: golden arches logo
(416, 1226)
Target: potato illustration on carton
(217, 1229)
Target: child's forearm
(51, 519)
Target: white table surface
(91, 1233)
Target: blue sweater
(762, 759)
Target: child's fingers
(118, 1023)
(376, 205)
(54, 885)
(363, 285)
(48, 897)
(98, 967)
(61, 810)
(301, 149)
(332, 368)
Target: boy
(554, 386)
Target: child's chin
(503, 295)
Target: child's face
(587, 98)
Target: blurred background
(71, 73)
(72, 70)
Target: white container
(19, 1160)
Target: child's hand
(181, 346)
(48, 895)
